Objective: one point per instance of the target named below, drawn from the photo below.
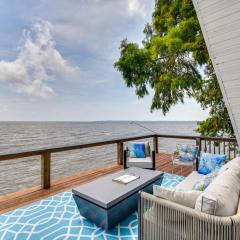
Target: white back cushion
(224, 189)
(186, 198)
(233, 164)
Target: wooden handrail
(36, 152)
(47, 152)
(30, 153)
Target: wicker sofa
(161, 219)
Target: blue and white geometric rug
(57, 218)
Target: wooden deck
(15, 200)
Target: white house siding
(220, 24)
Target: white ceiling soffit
(220, 24)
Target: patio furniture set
(205, 205)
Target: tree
(173, 61)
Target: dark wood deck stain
(15, 200)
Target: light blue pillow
(137, 150)
(187, 152)
(210, 162)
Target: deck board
(15, 200)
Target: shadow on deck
(15, 200)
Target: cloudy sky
(56, 61)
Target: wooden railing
(220, 145)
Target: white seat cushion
(186, 198)
(189, 182)
(224, 190)
(140, 162)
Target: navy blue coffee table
(106, 203)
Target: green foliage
(210, 97)
(171, 61)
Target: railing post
(120, 153)
(155, 143)
(199, 147)
(46, 170)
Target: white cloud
(137, 7)
(97, 26)
(38, 62)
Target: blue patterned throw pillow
(210, 162)
(187, 152)
(137, 150)
(202, 183)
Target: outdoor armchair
(184, 156)
(148, 162)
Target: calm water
(20, 136)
